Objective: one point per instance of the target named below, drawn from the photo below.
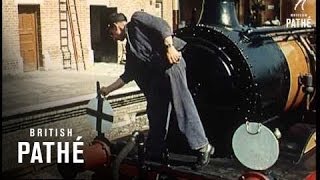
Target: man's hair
(116, 17)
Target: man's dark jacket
(145, 43)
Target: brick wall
(50, 29)
(11, 60)
(128, 7)
(49, 15)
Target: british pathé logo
(298, 19)
(302, 4)
(33, 151)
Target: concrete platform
(42, 89)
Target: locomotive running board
(154, 170)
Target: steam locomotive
(238, 76)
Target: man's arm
(162, 27)
(112, 87)
(127, 76)
(152, 22)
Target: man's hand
(104, 91)
(173, 55)
(114, 86)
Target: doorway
(29, 36)
(104, 48)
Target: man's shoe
(204, 156)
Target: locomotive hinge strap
(253, 128)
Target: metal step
(67, 53)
